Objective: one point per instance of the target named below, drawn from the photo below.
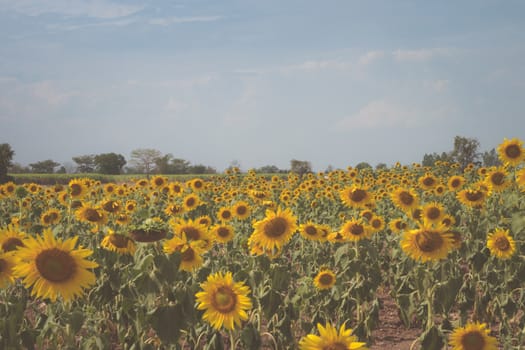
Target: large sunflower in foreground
(7, 262)
(427, 243)
(501, 244)
(474, 336)
(275, 230)
(11, 238)
(225, 301)
(511, 152)
(53, 267)
(330, 338)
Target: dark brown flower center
(513, 151)
(11, 244)
(119, 241)
(190, 202)
(310, 230)
(224, 300)
(223, 232)
(357, 230)
(326, 279)
(503, 244)
(473, 341)
(455, 183)
(191, 233)
(429, 241)
(55, 265)
(473, 196)
(429, 181)
(276, 227)
(92, 215)
(226, 214)
(497, 178)
(76, 189)
(376, 223)
(188, 255)
(358, 195)
(241, 210)
(111, 206)
(433, 213)
(406, 198)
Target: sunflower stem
(232, 340)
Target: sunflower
(50, 217)
(405, 199)
(433, 212)
(174, 209)
(310, 231)
(131, 205)
(397, 225)
(497, 179)
(275, 230)
(223, 232)
(472, 197)
(226, 302)
(455, 182)
(428, 181)
(520, 179)
(11, 238)
(196, 184)
(193, 230)
(118, 243)
(377, 223)
(8, 189)
(325, 279)
(204, 220)
(511, 152)
(329, 338)
(7, 262)
(501, 244)
(110, 188)
(111, 206)
(190, 252)
(122, 219)
(474, 336)
(176, 188)
(90, 214)
(356, 196)
(241, 210)
(190, 202)
(77, 188)
(427, 243)
(224, 214)
(53, 267)
(158, 181)
(356, 230)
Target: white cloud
(318, 65)
(379, 113)
(419, 55)
(176, 20)
(370, 56)
(102, 9)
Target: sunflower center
(191, 233)
(473, 341)
(376, 223)
(188, 254)
(502, 243)
(226, 214)
(326, 279)
(55, 265)
(455, 183)
(76, 189)
(498, 178)
(275, 227)
(357, 230)
(224, 300)
(223, 232)
(197, 184)
(159, 182)
(358, 195)
(400, 225)
(428, 181)
(3, 265)
(335, 346)
(119, 241)
(241, 210)
(433, 213)
(474, 196)
(513, 151)
(310, 230)
(92, 215)
(111, 206)
(190, 202)
(429, 241)
(406, 198)
(11, 244)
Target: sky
(260, 83)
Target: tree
(144, 159)
(163, 165)
(6, 158)
(85, 164)
(201, 169)
(381, 166)
(109, 163)
(268, 169)
(431, 159)
(490, 158)
(465, 151)
(44, 167)
(300, 167)
(363, 165)
(180, 166)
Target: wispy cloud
(316, 65)
(101, 9)
(370, 57)
(177, 20)
(420, 55)
(379, 113)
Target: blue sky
(259, 82)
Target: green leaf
(432, 339)
(167, 322)
(250, 337)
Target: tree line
(151, 161)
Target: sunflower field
(244, 261)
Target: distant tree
(363, 165)
(44, 167)
(61, 170)
(144, 159)
(431, 159)
(201, 169)
(465, 151)
(381, 166)
(300, 167)
(162, 164)
(85, 164)
(17, 168)
(6, 158)
(329, 168)
(268, 169)
(180, 166)
(109, 163)
(490, 158)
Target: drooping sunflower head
(405, 199)
(7, 262)
(474, 336)
(501, 244)
(330, 339)
(118, 243)
(276, 229)
(427, 243)
(511, 152)
(225, 301)
(54, 268)
(325, 279)
(11, 238)
(111, 206)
